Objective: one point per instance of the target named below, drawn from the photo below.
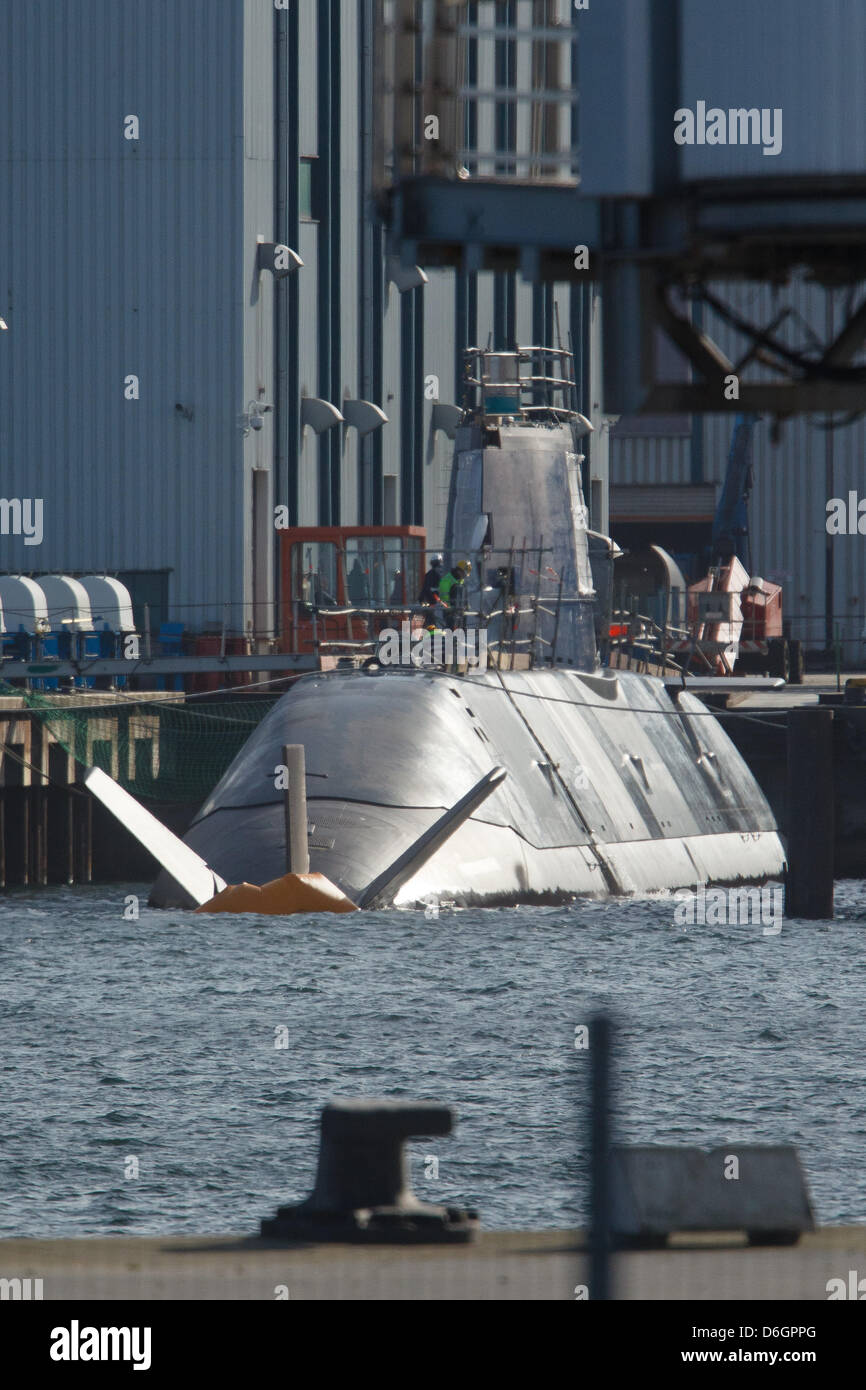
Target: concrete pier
(535, 1265)
(758, 725)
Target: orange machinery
(327, 570)
(737, 622)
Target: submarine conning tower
(516, 507)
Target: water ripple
(228, 1038)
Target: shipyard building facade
(204, 323)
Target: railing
(641, 641)
(528, 381)
(525, 588)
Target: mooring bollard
(811, 828)
(363, 1191)
(600, 1240)
(297, 842)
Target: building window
(305, 189)
(314, 573)
(389, 485)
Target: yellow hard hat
(463, 566)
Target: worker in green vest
(452, 592)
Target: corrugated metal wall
(118, 258)
(308, 504)
(391, 352)
(352, 205)
(257, 302)
(660, 459)
(801, 57)
(122, 257)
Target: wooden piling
(16, 779)
(38, 804)
(21, 839)
(61, 774)
(83, 838)
(811, 821)
(69, 832)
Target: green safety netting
(162, 750)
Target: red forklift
(340, 585)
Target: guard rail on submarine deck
(522, 587)
(627, 638)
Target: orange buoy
(282, 897)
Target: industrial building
(170, 375)
(208, 329)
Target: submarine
(606, 782)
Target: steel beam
(694, 224)
(457, 212)
(701, 351)
(636, 245)
(789, 398)
(847, 343)
(793, 216)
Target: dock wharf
(536, 1265)
(52, 831)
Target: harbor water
(165, 1073)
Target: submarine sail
(516, 501)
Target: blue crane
(759, 651)
(731, 521)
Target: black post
(519, 607)
(534, 647)
(88, 841)
(811, 829)
(507, 595)
(69, 834)
(600, 1033)
(556, 624)
(61, 863)
(39, 809)
(83, 838)
(26, 799)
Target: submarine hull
(614, 787)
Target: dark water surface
(155, 1039)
